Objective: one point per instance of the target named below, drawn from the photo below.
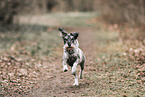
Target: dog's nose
(69, 44)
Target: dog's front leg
(76, 80)
(73, 72)
(65, 69)
(74, 67)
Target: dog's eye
(65, 39)
(72, 38)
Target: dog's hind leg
(82, 68)
(81, 74)
(81, 71)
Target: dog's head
(70, 39)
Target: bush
(8, 9)
(124, 11)
(42, 6)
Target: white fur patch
(65, 68)
(76, 82)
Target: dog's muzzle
(70, 50)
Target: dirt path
(60, 83)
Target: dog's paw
(65, 70)
(81, 77)
(73, 73)
(75, 84)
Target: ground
(107, 70)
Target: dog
(72, 54)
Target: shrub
(124, 11)
(8, 8)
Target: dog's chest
(71, 60)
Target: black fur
(71, 60)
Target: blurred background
(31, 48)
(112, 11)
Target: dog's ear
(75, 34)
(63, 33)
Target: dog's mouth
(69, 48)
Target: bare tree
(8, 8)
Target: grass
(31, 38)
(77, 19)
(70, 19)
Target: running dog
(72, 54)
